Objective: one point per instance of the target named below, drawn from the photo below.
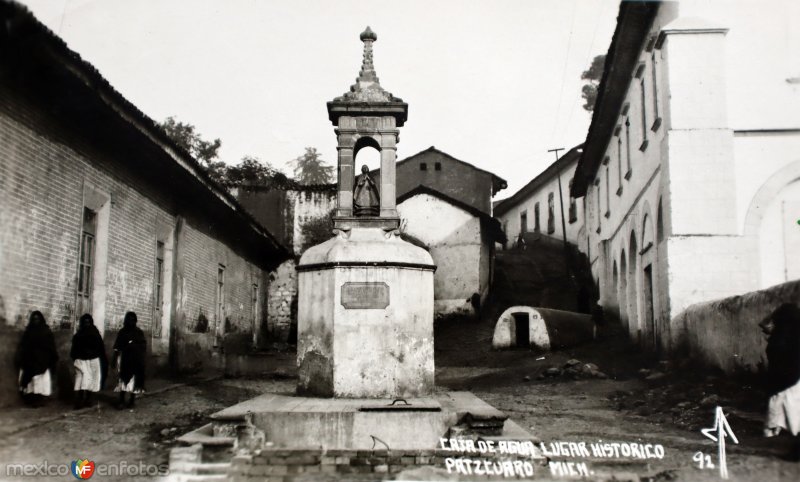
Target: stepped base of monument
(295, 422)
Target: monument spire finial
(367, 73)
(367, 87)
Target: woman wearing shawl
(89, 354)
(783, 373)
(130, 350)
(36, 359)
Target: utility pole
(561, 200)
(563, 221)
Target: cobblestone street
(668, 409)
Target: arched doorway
(649, 319)
(622, 292)
(633, 291)
(773, 217)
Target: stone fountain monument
(365, 329)
(365, 297)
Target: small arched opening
(367, 152)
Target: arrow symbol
(722, 429)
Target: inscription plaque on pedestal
(365, 295)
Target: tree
(310, 169)
(251, 170)
(185, 136)
(592, 75)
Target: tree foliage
(250, 169)
(185, 135)
(592, 77)
(253, 171)
(311, 169)
(317, 230)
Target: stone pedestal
(365, 317)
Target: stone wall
(725, 333)
(282, 301)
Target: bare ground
(668, 409)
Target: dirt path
(663, 404)
(108, 436)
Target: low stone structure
(541, 328)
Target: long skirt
(88, 375)
(39, 384)
(128, 387)
(783, 412)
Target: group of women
(37, 357)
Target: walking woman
(90, 362)
(36, 359)
(783, 374)
(129, 353)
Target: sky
(493, 83)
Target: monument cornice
(364, 264)
(398, 110)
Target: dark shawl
(131, 344)
(87, 344)
(783, 349)
(37, 349)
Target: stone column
(388, 176)
(346, 177)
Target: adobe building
(460, 238)
(690, 170)
(452, 177)
(103, 213)
(544, 207)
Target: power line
(564, 72)
(586, 62)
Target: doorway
(648, 305)
(522, 332)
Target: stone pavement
(19, 418)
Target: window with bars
(573, 207)
(86, 261)
(619, 165)
(628, 147)
(551, 214)
(643, 101)
(158, 298)
(220, 308)
(255, 304)
(656, 107)
(536, 218)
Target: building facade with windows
(544, 206)
(103, 214)
(691, 165)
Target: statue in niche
(366, 201)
